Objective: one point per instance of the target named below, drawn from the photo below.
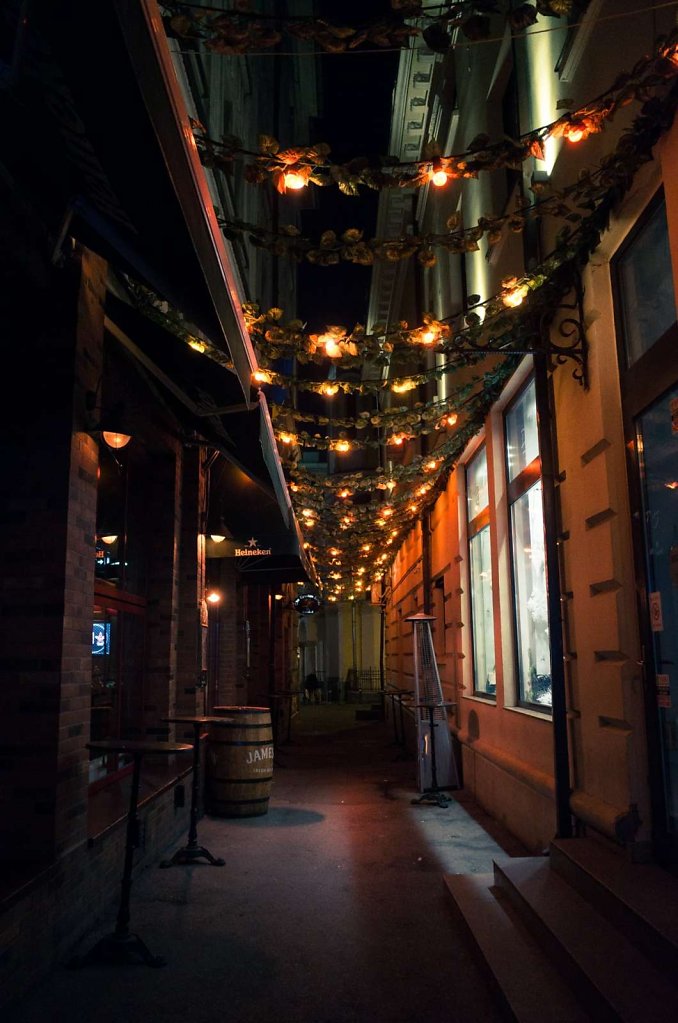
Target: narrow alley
(331, 908)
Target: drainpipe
(554, 590)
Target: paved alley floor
(330, 908)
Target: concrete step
(641, 899)
(611, 976)
(527, 987)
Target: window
(644, 285)
(523, 467)
(480, 571)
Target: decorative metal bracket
(565, 338)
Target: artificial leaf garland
(240, 30)
(298, 166)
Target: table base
(433, 796)
(118, 950)
(191, 853)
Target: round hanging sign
(307, 603)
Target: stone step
(611, 976)
(526, 985)
(641, 899)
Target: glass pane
(522, 441)
(645, 280)
(477, 493)
(529, 585)
(482, 627)
(659, 468)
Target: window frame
(517, 488)
(480, 522)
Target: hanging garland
(423, 417)
(239, 30)
(296, 167)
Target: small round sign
(306, 603)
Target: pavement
(330, 908)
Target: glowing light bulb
(332, 349)
(197, 345)
(515, 296)
(329, 390)
(294, 181)
(386, 511)
(342, 445)
(576, 133)
(366, 547)
(260, 377)
(429, 337)
(344, 493)
(402, 386)
(286, 438)
(430, 466)
(437, 178)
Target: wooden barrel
(239, 762)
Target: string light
(342, 446)
(437, 177)
(294, 180)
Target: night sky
(356, 95)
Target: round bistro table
(193, 850)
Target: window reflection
(480, 561)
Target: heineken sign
(251, 550)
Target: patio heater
(436, 768)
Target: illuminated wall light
(116, 440)
(673, 485)
(294, 181)
(213, 597)
(109, 538)
(278, 596)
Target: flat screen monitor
(101, 639)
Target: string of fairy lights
(353, 521)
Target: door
(657, 447)
(645, 314)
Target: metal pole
(551, 529)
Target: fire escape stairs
(581, 934)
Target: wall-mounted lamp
(278, 596)
(213, 597)
(109, 538)
(221, 533)
(111, 423)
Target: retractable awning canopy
(102, 147)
